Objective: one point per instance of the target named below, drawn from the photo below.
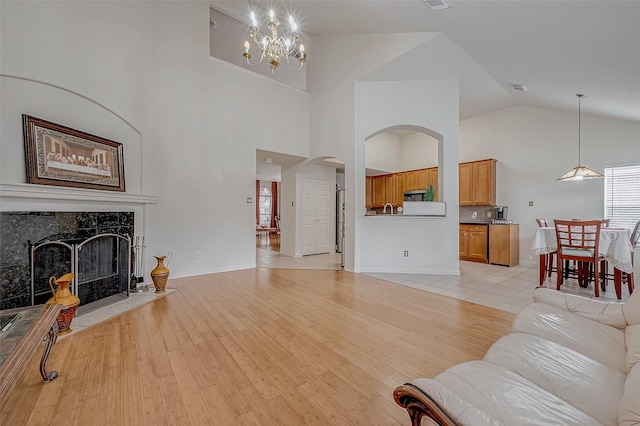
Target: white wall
(199, 120)
(382, 153)
(534, 146)
(388, 153)
(338, 61)
(432, 242)
(418, 151)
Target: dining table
(264, 231)
(614, 246)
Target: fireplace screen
(101, 265)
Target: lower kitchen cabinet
(474, 243)
(504, 244)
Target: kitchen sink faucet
(384, 209)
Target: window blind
(622, 195)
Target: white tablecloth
(614, 246)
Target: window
(622, 195)
(265, 206)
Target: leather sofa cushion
(588, 385)
(629, 409)
(631, 308)
(591, 338)
(460, 410)
(508, 398)
(632, 340)
(605, 312)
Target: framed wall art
(59, 155)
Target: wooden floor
(258, 346)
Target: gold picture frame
(62, 156)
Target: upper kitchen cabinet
(400, 188)
(369, 192)
(422, 179)
(384, 190)
(478, 183)
(433, 180)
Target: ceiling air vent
(520, 87)
(438, 4)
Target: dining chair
(578, 241)
(604, 265)
(548, 268)
(277, 231)
(542, 223)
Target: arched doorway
(310, 222)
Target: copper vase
(68, 300)
(160, 274)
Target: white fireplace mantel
(45, 192)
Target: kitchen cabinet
(504, 244)
(432, 178)
(474, 243)
(410, 183)
(422, 179)
(399, 186)
(378, 191)
(477, 183)
(383, 190)
(389, 189)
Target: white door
(316, 210)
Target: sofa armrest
(419, 404)
(609, 313)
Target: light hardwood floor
(257, 346)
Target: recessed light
(520, 87)
(438, 4)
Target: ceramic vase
(160, 274)
(68, 300)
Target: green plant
(430, 193)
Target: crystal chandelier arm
(247, 55)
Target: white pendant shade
(580, 173)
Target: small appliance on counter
(502, 212)
(414, 196)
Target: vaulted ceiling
(556, 48)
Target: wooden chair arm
(418, 404)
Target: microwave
(414, 196)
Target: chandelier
(579, 172)
(275, 47)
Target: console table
(20, 337)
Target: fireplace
(95, 246)
(101, 264)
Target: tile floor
(507, 289)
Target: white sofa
(569, 360)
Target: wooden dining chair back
(542, 223)
(578, 241)
(635, 235)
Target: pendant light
(580, 172)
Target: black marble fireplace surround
(104, 263)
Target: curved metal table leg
(51, 338)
